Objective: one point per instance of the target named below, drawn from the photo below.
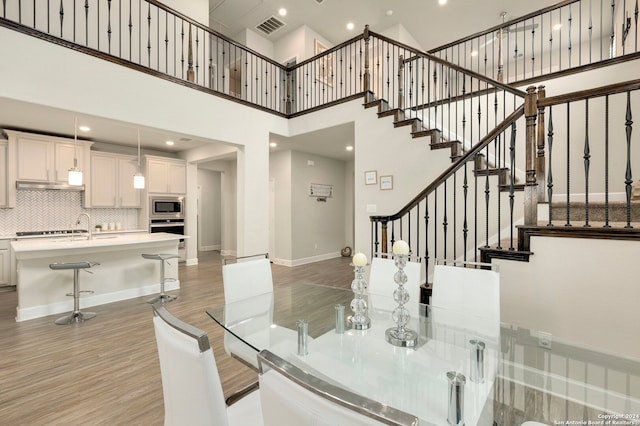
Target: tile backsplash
(50, 210)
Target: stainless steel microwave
(166, 207)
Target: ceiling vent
(270, 25)
(319, 1)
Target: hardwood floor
(105, 371)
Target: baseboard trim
(95, 300)
(306, 260)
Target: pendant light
(138, 178)
(75, 174)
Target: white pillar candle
(400, 247)
(359, 259)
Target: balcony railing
(570, 35)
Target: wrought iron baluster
(590, 32)
(109, 24)
(550, 168)
(500, 171)
(606, 162)
(612, 37)
(61, 12)
(426, 233)
(182, 54)
(86, 22)
(512, 159)
(166, 47)
(445, 221)
(569, 33)
(568, 223)
(465, 224)
(149, 36)
(533, 48)
(587, 161)
(435, 223)
(628, 127)
(486, 198)
(455, 215)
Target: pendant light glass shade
(138, 178)
(75, 174)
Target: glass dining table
(505, 374)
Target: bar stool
(76, 315)
(162, 257)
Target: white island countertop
(31, 247)
(120, 271)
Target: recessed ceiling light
(282, 11)
(349, 148)
(273, 144)
(84, 128)
(350, 26)
(170, 143)
(556, 27)
(441, 2)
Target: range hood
(42, 186)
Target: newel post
(541, 170)
(366, 82)
(531, 184)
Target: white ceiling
(429, 23)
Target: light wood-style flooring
(105, 371)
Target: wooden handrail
(426, 55)
(504, 25)
(610, 89)
(454, 167)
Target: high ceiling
(428, 22)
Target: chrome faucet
(77, 222)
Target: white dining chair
(190, 381)
(293, 397)
(381, 282)
(247, 276)
(248, 291)
(469, 295)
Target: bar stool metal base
(75, 317)
(162, 298)
(162, 257)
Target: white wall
(209, 215)
(299, 44)
(579, 289)
(280, 172)
(195, 9)
(399, 33)
(255, 42)
(318, 227)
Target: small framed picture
(370, 177)
(386, 182)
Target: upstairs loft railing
(571, 35)
(579, 157)
(148, 36)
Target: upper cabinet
(48, 158)
(112, 181)
(166, 175)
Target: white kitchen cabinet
(166, 175)
(5, 269)
(112, 181)
(45, 158)
(4, 175)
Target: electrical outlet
(544, 339)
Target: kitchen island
(122, 273)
